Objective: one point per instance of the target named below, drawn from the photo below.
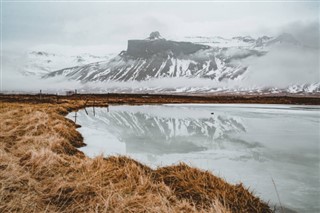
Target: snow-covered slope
(39, 63)
(247, 42)
(304, 88)
(200, 57)
(218, 41)
(221, 64)
(298, 89)
(160, 58)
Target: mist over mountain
(39, 63)
(198, 64)
(202, 64)
(199, 47)
(159, 58)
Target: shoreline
(40, 149)
(114, 98)
(152, 113)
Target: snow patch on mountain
(240, 64)
(160, 58)
(39, 63)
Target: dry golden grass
(41, 170)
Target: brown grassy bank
(41, 170)
(160, 99)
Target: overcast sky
(106, 26)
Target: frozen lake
(249, 143)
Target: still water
(249, 143)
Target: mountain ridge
(158, 58)
(223, 61)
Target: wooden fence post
(94, 111)
(75, 117)
(85, 105)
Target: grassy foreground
(41, 170)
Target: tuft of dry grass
(201, 187)
(41, 170)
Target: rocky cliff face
(147, 48)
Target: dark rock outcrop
(147, 48)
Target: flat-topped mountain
(148, 47)
(156, 57)
(215, 58)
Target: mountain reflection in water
(249, 143)
(158, 134)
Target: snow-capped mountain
(221, 62)
(218, 41)
(39, 63)
(199, 57)
(304, 88)
(246, 42)
(298, 89)
(158, 58)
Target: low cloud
(282, 66)
(13, 79)
(306, 32)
